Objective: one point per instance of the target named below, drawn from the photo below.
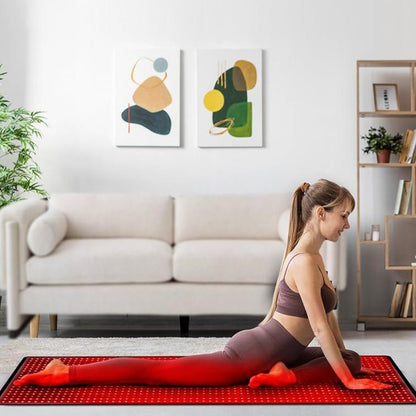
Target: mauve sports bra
(290, 302)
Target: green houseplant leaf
(18, 130)
(378, 140)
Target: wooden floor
(145, 326)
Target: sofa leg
(53, 322)
(184, 325)
(14, 333)
(34, 326)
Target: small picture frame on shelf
(386, 97)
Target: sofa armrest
(23, 213)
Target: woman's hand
(366, 384)
(371, 371)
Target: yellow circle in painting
(214, 100)
(249, 72)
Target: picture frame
(229, 98)
(146, 104)
(386, 97)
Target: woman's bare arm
(333, 324)
(309, 282)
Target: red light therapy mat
(325, 393)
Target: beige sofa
(140, 254)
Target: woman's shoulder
(304, 266)
(302, 259)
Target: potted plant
(382, 143)
(19, 173)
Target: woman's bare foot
(278, 376)
(56, 373)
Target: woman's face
(334, 222)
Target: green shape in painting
(238, 112)
(242, 115)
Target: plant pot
(383, 156)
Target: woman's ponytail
(296, 225)
(296, 221)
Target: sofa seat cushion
(109, 260)
(228, 261)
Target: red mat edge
(402, 376)
(22, 361)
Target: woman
(274, 353)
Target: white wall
(58, 55)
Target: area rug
(14, 350)
(323, 393)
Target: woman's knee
(353, 360)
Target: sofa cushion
(116, 215)
(95, 261)
(46, 232)
(228, 261)
(228, 216)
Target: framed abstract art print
(146, 97)
(229, 98)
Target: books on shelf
(403, 197)
(406, 145)
(401, 301)
(406, 312)
(408, 152)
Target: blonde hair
(305, 198)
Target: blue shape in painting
(158, 122)
(160, 65)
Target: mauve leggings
(247, 353)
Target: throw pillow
(46, 232)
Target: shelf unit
(402, 271)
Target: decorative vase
(383, 156)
